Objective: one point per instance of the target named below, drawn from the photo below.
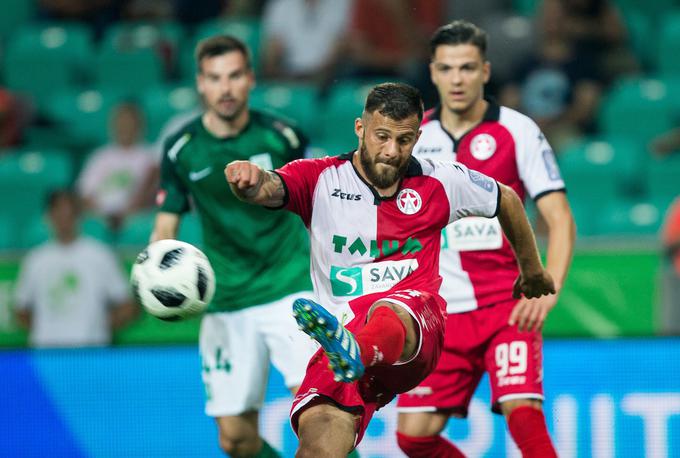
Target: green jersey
(258, 255)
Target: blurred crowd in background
(90, 88)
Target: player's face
(64, 218)
(225, 82)
(459, 72)
(385, 147)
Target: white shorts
(236, 348)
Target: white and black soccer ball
(172, 280)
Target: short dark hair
(218, 45)
(459, 32)
(395, 100)
(55, 195)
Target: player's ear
(487, 71)
(359, 127)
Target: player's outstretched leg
(339, 344)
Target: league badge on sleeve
(551, 165)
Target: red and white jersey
(362, 243)
(478, 265)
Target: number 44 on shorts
(221, 362)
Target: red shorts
(476, 342)
(379, 384)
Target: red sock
(382, 340)
(527, 428)
(427, 447)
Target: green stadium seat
(669, 44)
(136, 230)
(40, 59)
(616, 164)
(345, 103)
(650, 7)
(642, 36)
(246, 29)
(25, 179)
(7, 242)
(84, 114)
(130, 69)
(631, 217)
(525, 7)
(299, 102)
(161, 103)
(585, 215)
(638, 107)
(15, 13)
(663, 177)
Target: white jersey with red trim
(362, 243)
(478, 265)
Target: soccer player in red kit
(487, 329)
(374, 218)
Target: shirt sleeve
(24, 293)
(470, 193)
(299, 179)
(172, 197)
(536, 163)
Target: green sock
(354, 454)
(267, 451)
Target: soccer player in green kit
(260, 257)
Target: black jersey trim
(491, 114)
(285, 195)
(498, 201)
(549, 191)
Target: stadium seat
(638, 107)
(663, 177)
(345, 103)
(161, 103)
(299, 102)
(25, 179)
(669, 44)
(615, 164)
(131, 69)
(84, 114)
(43, 58)
(136, 230)
(525, 7)
(642, 36)
(15, 13)
(246, 29)
(631, 217)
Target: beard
(229, 114)
(386, 177)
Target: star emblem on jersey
(483, 146)
(409, 201)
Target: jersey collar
(413, 169)
(492, 113)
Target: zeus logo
(345, 195)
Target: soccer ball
(172, 280)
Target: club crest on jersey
(409, 201)
(483, 146)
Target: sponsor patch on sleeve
(551, 165)
(481, 180)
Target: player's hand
(244, 176)
(533, 285)
(530, 314)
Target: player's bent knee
(326, 431)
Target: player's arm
(165, 226)
(533, 281)
(554, 208)
(250, 183)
